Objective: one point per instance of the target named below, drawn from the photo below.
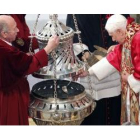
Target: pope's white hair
(116, 22)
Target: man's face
(12, 32)
(118, 36)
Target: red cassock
(14, 89)
(22, 40)
(114, 57)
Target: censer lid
(52, 27)
(67, 64)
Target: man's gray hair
(116, 22)
(3, 26)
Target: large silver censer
(67, 109)
(67, 64)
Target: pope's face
(118, 36)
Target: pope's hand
(82, 73)
(111, 48)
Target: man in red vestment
(14, 66)
(22, 41)
(126, 59)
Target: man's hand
(125, 76)
(111, 48)
(52, 44)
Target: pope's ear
(118, 30)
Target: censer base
(70, 108)
(40, 122)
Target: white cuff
(134, 83)
(95, 80)
(102, 69)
